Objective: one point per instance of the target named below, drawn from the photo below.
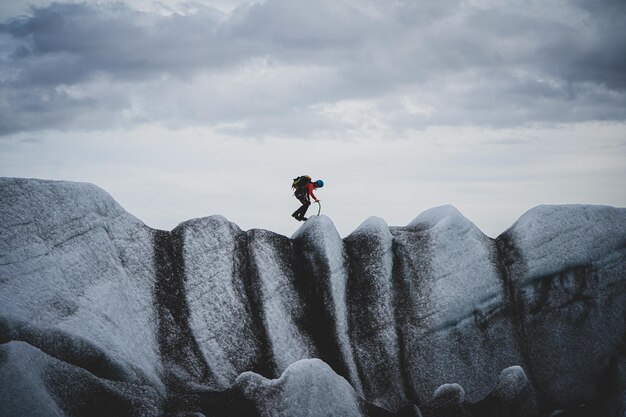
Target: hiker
(304, 191)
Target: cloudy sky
(186, 109)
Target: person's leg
(303, 208)
(298, 212)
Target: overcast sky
(187, 109)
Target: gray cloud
(292, 67)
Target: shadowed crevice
(183, 361)
(318, 322)
(71, 349)
(410, 266)
(265, 364)
(507, 255)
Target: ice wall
(77, 278)
(395, 312)
(567, 268)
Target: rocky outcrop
(429, 319)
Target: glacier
(101, 315)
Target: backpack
(300, 182)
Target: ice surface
(567, 266)
(554, 238)
(36, 384)
(279, 302)
(394, 312)
(515, 394)
(72, 259)
(448, 400)
(327, 260)
(373, 225)
(215, 268)
(465, 275)
(307, 388)
(512, 380)
(20, 379)
(450, 391)
(372, 321)
(460, 330)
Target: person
(303, 194)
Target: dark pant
(303, 198)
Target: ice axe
(319, 207)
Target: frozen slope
(76, 284)
(75, 267)
(209, 318)
(216, 281)
(463, 327)
(372, 314)
(311, 382)
(567, 266)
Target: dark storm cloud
(78, 40)
(88, 66)
(604, 60)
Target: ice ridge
(396, 313)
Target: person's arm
(309, 188)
